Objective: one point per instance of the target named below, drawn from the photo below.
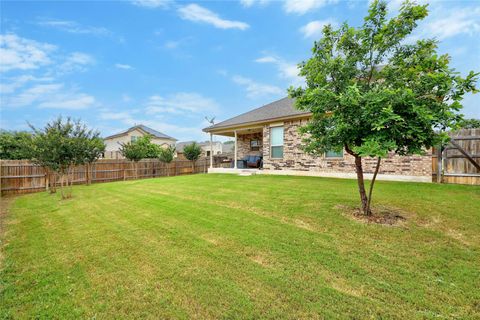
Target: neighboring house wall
(216, 147)
(112, 145)
(294, 158)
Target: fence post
(123, 166)
(47, 179)
(1, 173)
(439, 164)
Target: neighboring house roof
(282, 108)
(155, 133)
(180, 145)
(227, 147)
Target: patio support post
(235, 152)
(211, 150)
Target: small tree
(62, 145)
(192, 152)
(371, 94)
(140, 149)
(53, 149)
(166, 156)
(151, 150)
(15, 145)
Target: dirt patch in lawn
(380, 215)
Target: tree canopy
(372, 92)
(15, 145)
(470, 124)
(142, 148)
(167, 154)
(192, 152)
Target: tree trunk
(53, 182)
(62, 177)
(372, 183)
(87, 175)
(361, 184)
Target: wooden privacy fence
(21, 176)
(459, 161)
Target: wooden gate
(459, 161)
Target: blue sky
(169, 64)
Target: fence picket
(22, 176)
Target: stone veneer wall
(243, 145)
(295, 159)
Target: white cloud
(76, 62)
(180, 103)
(255, 89)
(37, 78)
(126, 98)
(303, 6)
(163, 4)
(123, 66)
(74, 27)
(445, 23)
(10, 85)
(51, 95)
(68, 101)
(131, 118)
(196, 13)
(286, 70)
(23, 54)
(250, 3)
(266, 59)
(314, 29)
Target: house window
(276, 142)
(133, 138)
(334, 154)
(208, 153)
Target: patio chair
(253, 161)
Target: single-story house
(113, 142)
(216, 147)
(271, 132)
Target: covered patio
(248, 147)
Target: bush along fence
(21, 176)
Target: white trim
(342, 175)
(276, 124)
(235, 152)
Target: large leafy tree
(372, 93)
(15, 145)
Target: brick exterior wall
(295, 159)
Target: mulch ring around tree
(382, 215)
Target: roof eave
(258, 122)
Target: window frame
(133, 138)
(325, 156)
(277, 145)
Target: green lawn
(225, 246)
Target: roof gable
(141, 127)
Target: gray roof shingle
(148, 130)
(277, 109)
